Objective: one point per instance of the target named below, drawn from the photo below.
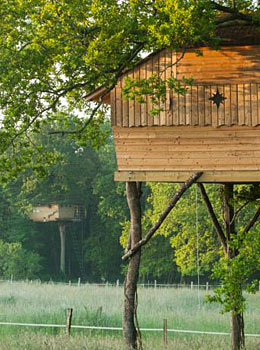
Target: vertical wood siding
(233, 71)
(241, 107)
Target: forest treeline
(82, 173)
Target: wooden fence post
(165, 340)
(69, 318)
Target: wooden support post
(165, 335)
(69, 319)
(130, 332)
(62, 229)
(213, 216)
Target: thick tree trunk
(237, 319)
(237, 331)
(62, 247)
(130, 284)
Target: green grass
(102, 306)
(31, 341)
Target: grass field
(102, 306)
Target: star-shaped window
(218, 98)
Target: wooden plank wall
(233, 71)
(188, 148)
(235, 64)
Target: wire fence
(150, 284)
(187, 331)
(153, 284)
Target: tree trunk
(237, 331)
(62, 247)
(237, 319)
(130, 284)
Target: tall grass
(102, 306)
(31, 341)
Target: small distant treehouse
(57, 213)
(213, 128)
(62, 214)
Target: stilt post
(130, 332)
(62, 230)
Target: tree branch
(175, 63)
(51, 106)
(238, 211)
(163, 216)
(226, 19)
(213, 216)
(253, 221)
(116, 77)
(93, 113)
(59, 93)
(235, 12)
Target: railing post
(165, 338)
(69, 318)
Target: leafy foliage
(236, 273)
(156, 88)
(17, 262)
(181, 228)
(53, 53)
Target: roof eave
(97, 94)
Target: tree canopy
(54, 52)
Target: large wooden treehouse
(62, 215)
(210, 134)
(213, 128)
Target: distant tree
(102, 248)
(17, 262)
